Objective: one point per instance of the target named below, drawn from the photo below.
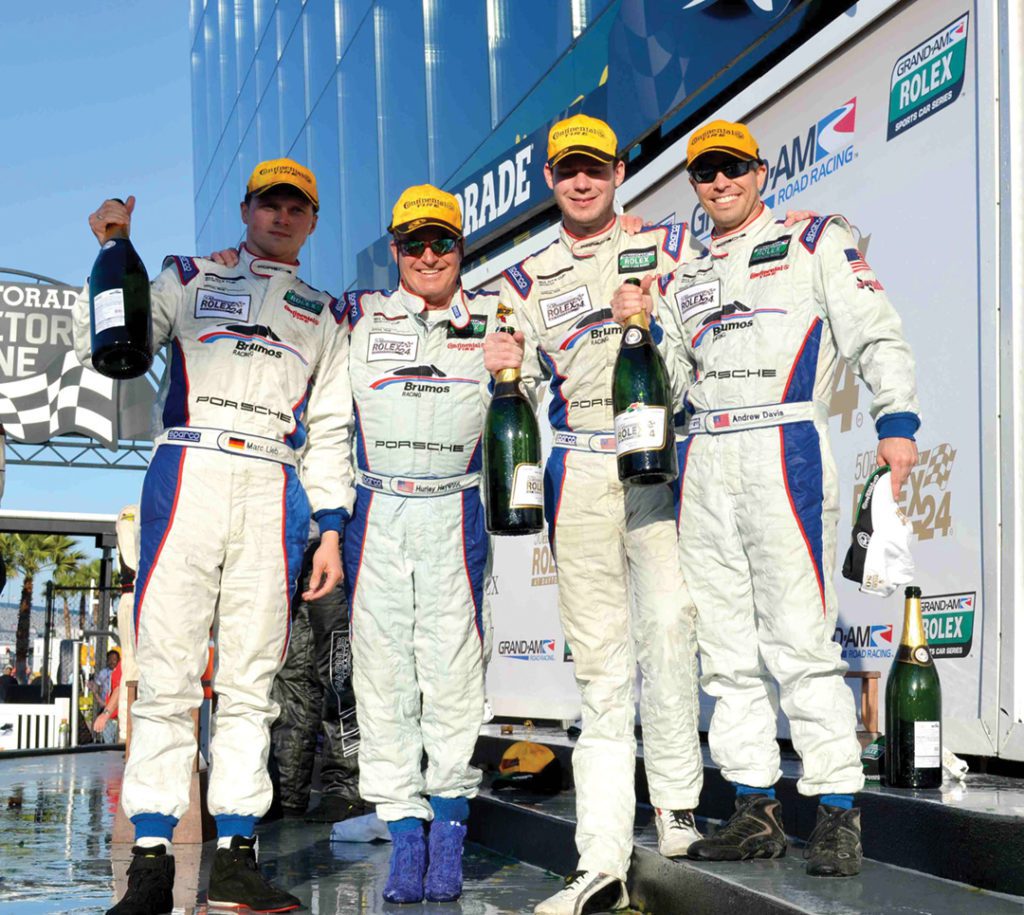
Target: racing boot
(753, 831)
(677, 831)
(585, 892)
(236, 881)
(444, 875)
(150, 883)
(334, 809)
(834, 849)
(408, 863)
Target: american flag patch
(720, 421)
(857, 263)
(406, 486)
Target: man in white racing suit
(621, 594)
(416, 552)
(755, 331)
(256, 372)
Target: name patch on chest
(213, 304)
(697, 300)
(389, 347)
(775, 250)
(560, 309)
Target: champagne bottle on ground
(645, 444)
(913, 707)
(513, 479)
(122, 325)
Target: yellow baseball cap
(283, 171)
(529, 766)
(721, 136)
(584, 135)
(425, 205)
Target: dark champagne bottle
(122, 323)
(513, 479)
(913, 707)
(645, 445)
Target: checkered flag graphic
(67, 397)
(940, 464)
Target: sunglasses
(414, 247)
(733, 169)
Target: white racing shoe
(586, 892)
(677, 831)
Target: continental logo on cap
(577, 131)
(277, 171)
(719, 133)
(431, 202)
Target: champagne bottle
(913, 707)
(122, 325)
(645, 445)
(513, 479)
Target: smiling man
(759, 327)
(416, 551)
(256, 372)
(621, 594)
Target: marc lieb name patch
(775, 250)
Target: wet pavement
(56, 816)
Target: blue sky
(97, 103)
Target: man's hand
(326, 572)
(100, 722)
(226, 258)
(630, 299)
(110, 216)
(503, 351)
(795, 216)
(901, 456)
(631, 224)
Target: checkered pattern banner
(65, 398)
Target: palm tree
(28, 555)
(67, 575)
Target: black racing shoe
(335, 809)
(753, 831)
(834, 849)
(150, 883)
(236, 881)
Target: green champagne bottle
(513, 479)
(645, 445)
(122, 324)
(913, 707)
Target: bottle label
(927, 744)
(633, 336)
(527, 487)
(640, 428)
(108, 309)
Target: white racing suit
(256, 366)
(621, 594)
(416, 552)
(756, 329)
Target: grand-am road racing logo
(928, 77)
(811, 157)
(417, 380)
(527, 649)
(871, 641)
(252, 340)
(926, 496)
(949, 623)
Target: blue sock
(837, 800)
(157, 825)
(742, 790)
(234, 824)
(450, 809)
(406, 824)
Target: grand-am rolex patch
(638, 260)
(698, 299)
(558, 309)
(775, 250)
(389, 347)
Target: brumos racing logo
(812, 156)
(871, 641)
(527, 649)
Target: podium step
(957, 850)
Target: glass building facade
(374, 95)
